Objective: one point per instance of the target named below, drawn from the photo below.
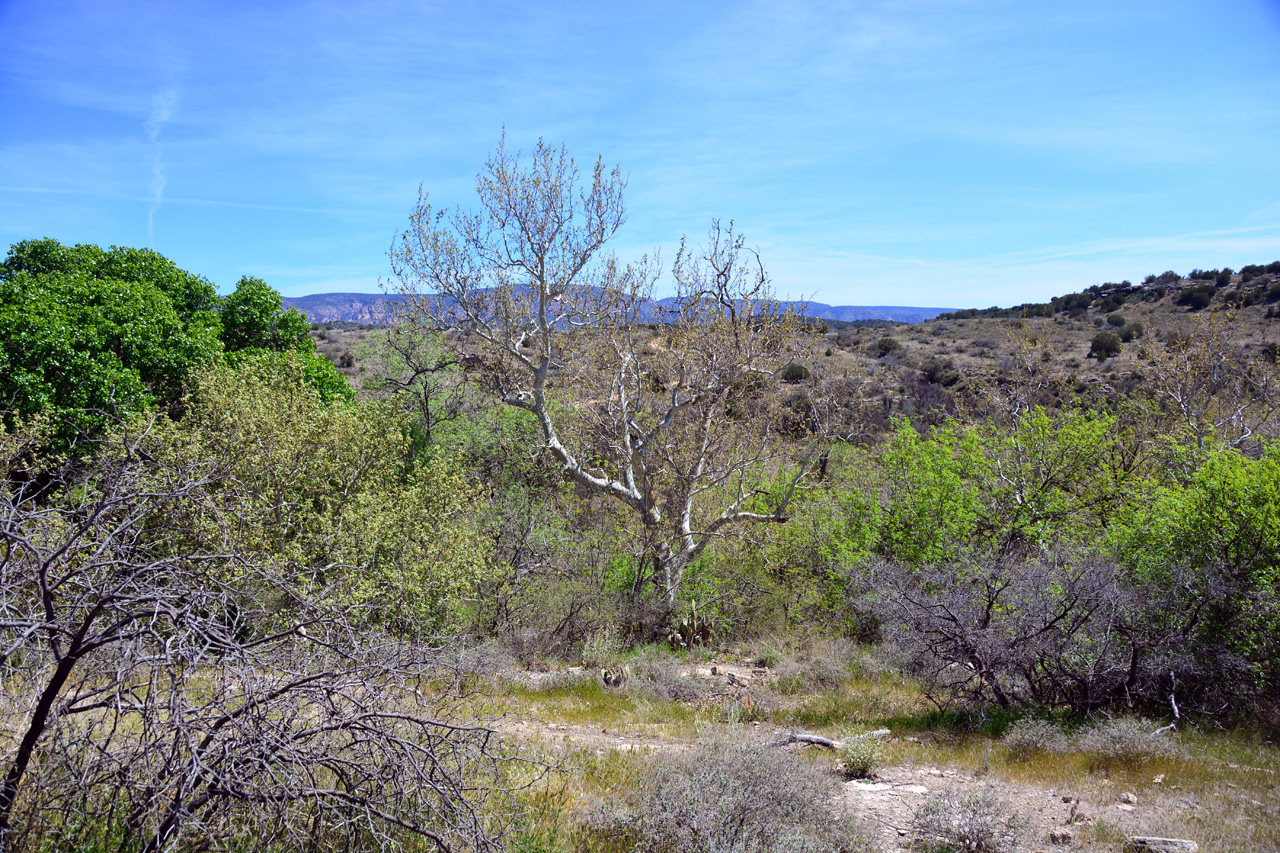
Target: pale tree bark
(1216, 392)
(661, 407)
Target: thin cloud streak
(162, 106)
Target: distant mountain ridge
(372, 308)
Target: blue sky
(911, 153)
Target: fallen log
(825, 742)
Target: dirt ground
(1095, 815)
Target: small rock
(1126, 808)
(1066, 798)
(715, 670)
(1061, 837)
(1129, 797)
(1159, 780)
(913, 789)
(1151, 844)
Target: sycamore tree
(663, 407)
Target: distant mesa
(341, 307)
(373, 308)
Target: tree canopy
(91, 334)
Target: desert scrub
(729, 797)
(979, 823)
(1029, 739)
(1126, 743)
(860, 757)
(602, 648)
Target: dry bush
(727, 797)
(166, 686)
(1028, 739)
(825, 665)
(1063, 633)
(978, 823)
(661, 679)
(1126, 743)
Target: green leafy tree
(1105, 345)
(252, 318)
(1212, 544)
(193, 296)
(93, 334)
(254, 323)
(1020, 490)
(932, 504)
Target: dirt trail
(1050, 818)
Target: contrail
(161, 109)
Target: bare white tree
(663, 407)
(1213, 389)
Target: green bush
(794, 373)
(1131, 332)
(1104, 345)
(884, 346)
(91, 349)
(1115, 320)
(1196, 297)
(1210, 548)
(860, 757)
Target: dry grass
(1221, 789)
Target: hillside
(372, 308)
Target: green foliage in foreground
(328, 486)
(1214, 543)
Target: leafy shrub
(1196, 297)
(1242, 298)
(794, 373)
(1116, 320)
(1104, 345)
(727, 797)
(884, 346)
(1273, 294)
(1223, 278)
(975, 824)
(1132, 332)
(1126, 742)
(860, 757)
(1210, 549)
(940, 371)
(1030, 738)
